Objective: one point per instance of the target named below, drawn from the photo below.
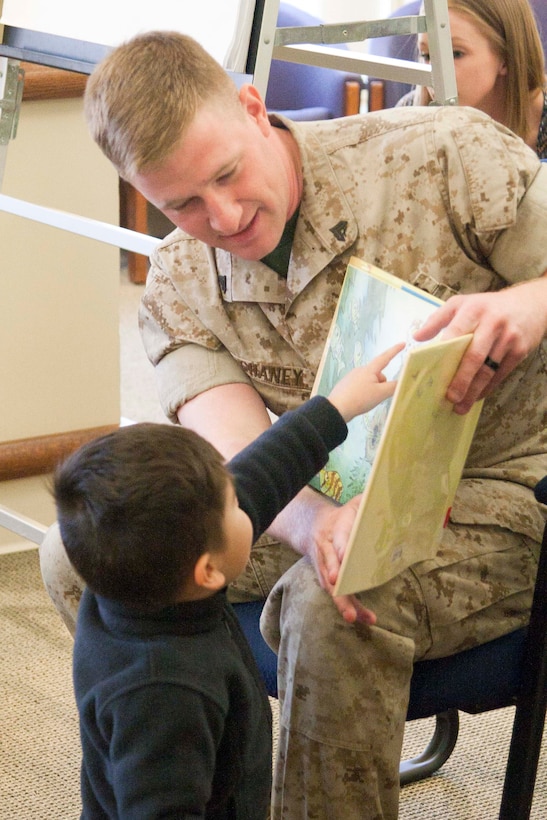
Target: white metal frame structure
(312, 45)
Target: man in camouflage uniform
(443, 198)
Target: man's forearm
(295, 524)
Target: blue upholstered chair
(401, 47)
(540, 10)
(511, 670)
(305, 92)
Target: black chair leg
(529, 722)
(437, 752)
(520, 774)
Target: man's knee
(62, 582)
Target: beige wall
(59, 368)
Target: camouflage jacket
(444, 198)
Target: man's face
(230, 182)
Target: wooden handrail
(45, 83)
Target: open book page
(375, 311)
(416, 471)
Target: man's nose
(224, 214)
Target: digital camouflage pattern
(344, 689)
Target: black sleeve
(271, 470)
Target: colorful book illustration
(407, 455)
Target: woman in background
(499, 64)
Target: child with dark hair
(175, 721)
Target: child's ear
(207, 574)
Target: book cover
(406, 456)
(416, 471)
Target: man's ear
(207, 575)
(254, 106)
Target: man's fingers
(353, 611)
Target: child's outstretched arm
(364, 387)
(270, 471)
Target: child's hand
(364, 387)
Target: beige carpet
(39, 746)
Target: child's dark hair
(136, 509)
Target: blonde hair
(140, 99)
(511, 30)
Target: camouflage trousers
(344, 689)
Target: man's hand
(333, 527)
(506, 325)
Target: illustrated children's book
(406, 456)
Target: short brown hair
(137, 508)
(145, 93)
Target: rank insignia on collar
(339, 230)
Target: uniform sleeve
(190, 370)
(521, 251)
(496, 193)
(187, 357)
(166, 319)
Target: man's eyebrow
(178, 203)
(173, 204)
